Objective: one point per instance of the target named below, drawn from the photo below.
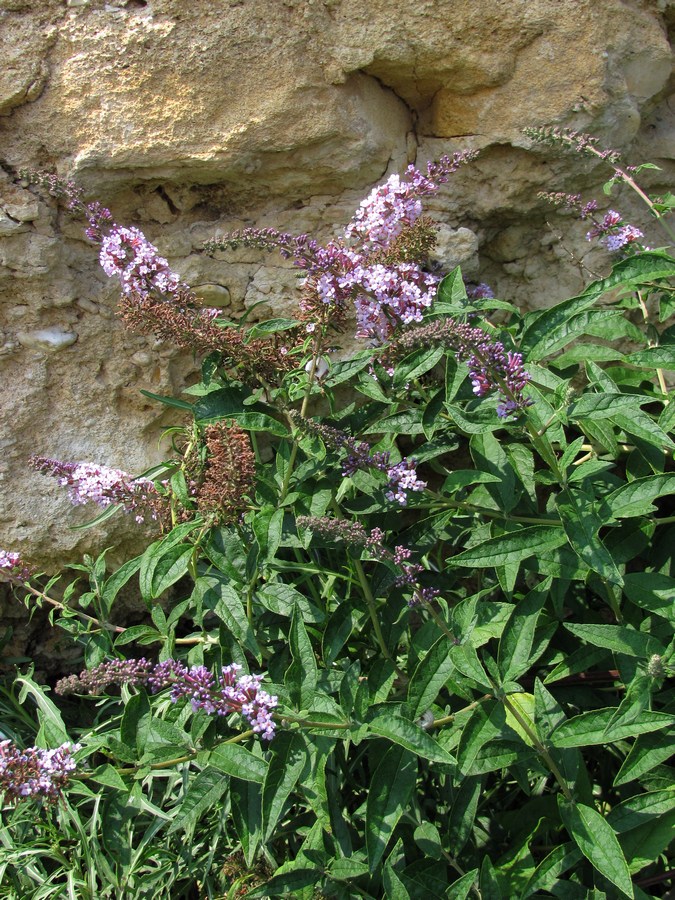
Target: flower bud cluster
(573, 140)
(355, 535)
(35, 773)
(491, 366)
(88, 482)
(229, 693)
(401, 477)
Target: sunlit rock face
(191, 119)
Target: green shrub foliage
(409, 625)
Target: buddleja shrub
(409, 612)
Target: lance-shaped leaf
(582, 523)
(596, 839)
(637, 497)
(510, 548)
(389, 794)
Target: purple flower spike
(221, 696)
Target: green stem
(168, 763)
(303, 412)
(372, 611)
(539, 747)
(489, 513)
(116, 629)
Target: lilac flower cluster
(106, 674)
(128, 255)
(14, 567)
(88, 482)
(221, 696)
(388, 296)
(35, 773)
(403, 477)
(97, 216)
(387, 290)
(613, 232)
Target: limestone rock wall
(192, 118)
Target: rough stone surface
(190, 119)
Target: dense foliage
(409, 623)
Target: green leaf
(591, 727)
(287, 883)
(268, 527)
(603, 405)
(389, 793)
(489, 456)
(486, 721)
(515, 645)
(301, 676)
(619, 638)
(117, 580)
(647, 752)
(463, 812)
(640, 425)
(633, 812)
(654, 358)
(551, 868)
(542, 327)
(52, 726)
(270, 326)
(227, 552)
(346, 369)
(582, 523)
(168, 401)
(461, 889)
(236, 760)
(203, 793)
(165, 561)
(393, 886)
(255, 421)
(109, 776)
(226, 602)
(595, 838)
(462, 478)
(431, 673)
(289, 759)
(452, 290)
(637, 497)
(283, 599)
(408, 735)
(511, 547)
(645, 844)
(415, 364)
(246, 816)
(338, 630)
